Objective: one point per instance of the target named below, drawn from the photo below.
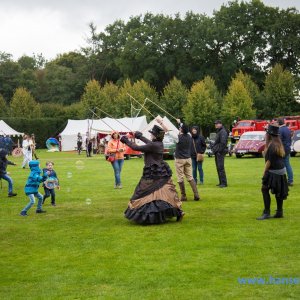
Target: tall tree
(237, 102)
(174, 97)
(202, 105)
(140, 90)
(279, 93)
(23, 105)
(252, 89)
(91, 98)
(3, 107)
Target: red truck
(247, 125)
(292, 122)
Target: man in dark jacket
(219, 149)
(198, 146)
(286, 138)
(183, 161)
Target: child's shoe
(12, 194)
(40, 211)
(23, 214)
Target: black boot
(180, 216)
(195, 190)
(182, 191)
(264, 216)
(278, 214)
(279, 211)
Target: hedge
(43, 128)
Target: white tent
(7, 130)
(104, 126)
(166, 122)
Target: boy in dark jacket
(32, 186)
(3, 174)
(49, 173)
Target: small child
(3, 174)
(49, 173)
(32, 186)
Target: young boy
(32, 186)
(3, 174)
(50, 174)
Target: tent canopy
(7, 130)
(166, 122)
(104, 126)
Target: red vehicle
(252, 142)
(130, 152)
(292, 122)
(247, 125)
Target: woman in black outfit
(274, 177)
(155, 198)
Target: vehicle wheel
(293, 154)
(127, 156)
(140, 156)
(238, 155)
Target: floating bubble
(79, 164)
(88, 201)
(69, 175)
(68, 190)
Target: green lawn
(85, 249)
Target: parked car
(169, 146)
(210, 141)
(252, 142)
(295, 138)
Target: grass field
(85, 249)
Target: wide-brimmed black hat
(273, 129)
(158, 132)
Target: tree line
(244, 60)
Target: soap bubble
(68, 189)
(79, 164)
(69, 175)
(88, 201)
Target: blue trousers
(9, 180)
(117, 166)
(32, 201)
(289, 169)
(197, 166)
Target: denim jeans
(289, 169)
(10, 182)
(49, 192)
(117, 166)
(32, 201)
(197, 166)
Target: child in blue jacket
(32, 186)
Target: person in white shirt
(27, 146)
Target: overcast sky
(53, 27)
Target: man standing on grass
(219, 149)
(183, 161)
(286, 138)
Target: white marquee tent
(166, 122)
(104, 126)
(7, 130)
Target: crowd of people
(155, 199)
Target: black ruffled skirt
(277, 184)
(155, 212)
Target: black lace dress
(155, 198)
